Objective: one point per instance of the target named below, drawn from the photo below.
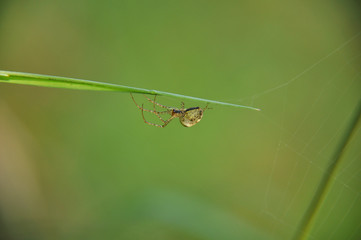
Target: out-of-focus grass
(83, 165)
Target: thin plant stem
(80, 84)
(323, 188)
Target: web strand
(312, 162)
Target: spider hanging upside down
(187, 117)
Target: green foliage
(79, 84)
(83, 165)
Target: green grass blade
(307, 222)
(80, 84)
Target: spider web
(309, 131)
(309, 112)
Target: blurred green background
(83, 165)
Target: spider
(187, 117)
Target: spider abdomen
(191, 116)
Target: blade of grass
(80, 84)
(306, 224)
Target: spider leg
(206, 107)
(147, 110)
(157, 125)
(182, 105)
(156, 112)
(154, 102)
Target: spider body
(188, 117)
(191, 116)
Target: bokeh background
(83, 165)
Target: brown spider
(187, 117)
